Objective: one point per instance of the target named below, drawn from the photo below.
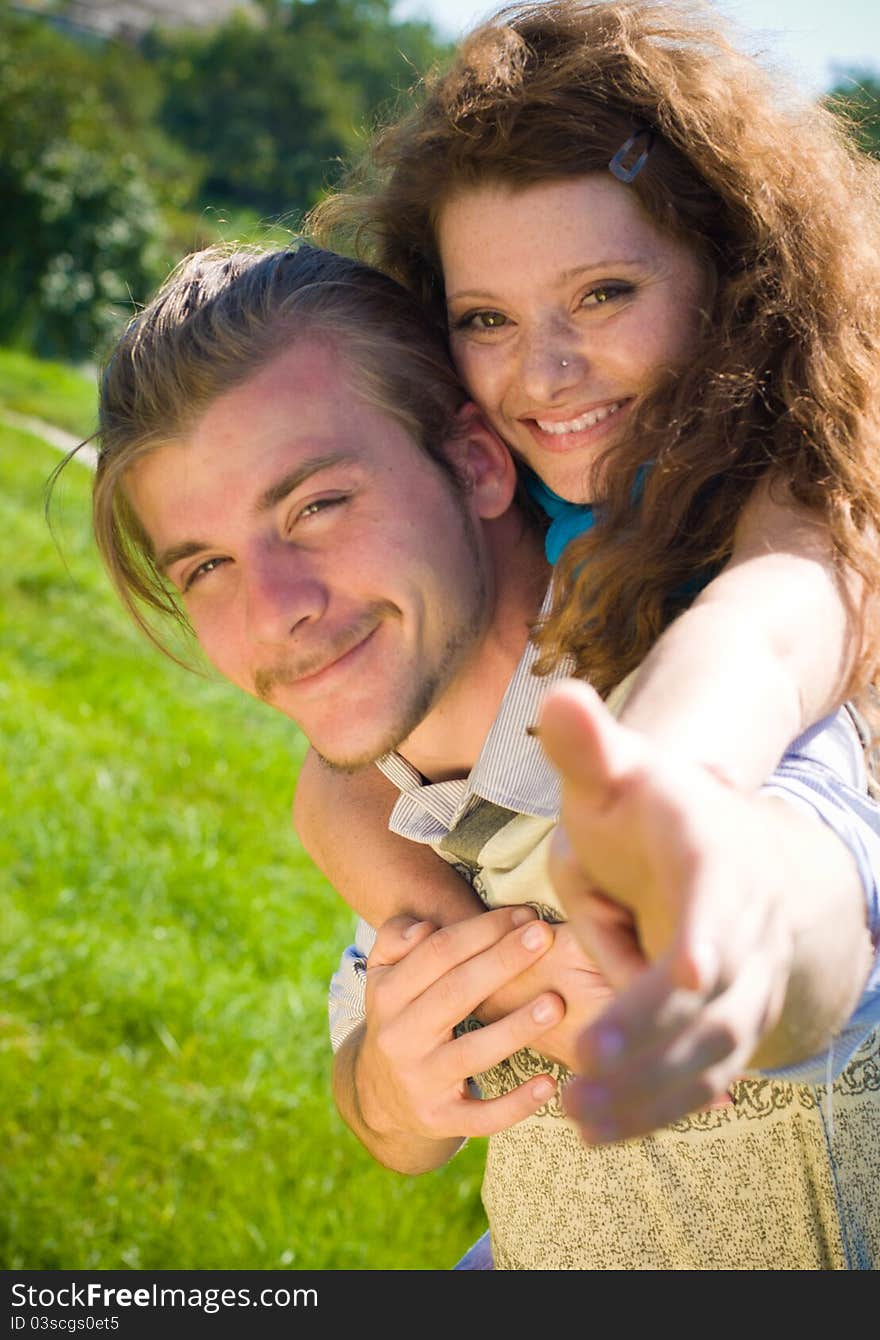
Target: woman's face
(566, 305)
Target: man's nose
(283, 592)
(552, 361)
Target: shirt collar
(511, 769)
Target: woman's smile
(566, 306)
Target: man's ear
(482, 461)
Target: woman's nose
(551, 363)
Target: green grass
(50, 391)
(165, 947)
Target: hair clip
(627, 172)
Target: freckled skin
(572, 271)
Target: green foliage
(80, 223)
(856, 97)
(95, 224)
(115, 161)
(271, 109)
(165, 947)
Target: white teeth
(588, 420)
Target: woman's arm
(769, 647)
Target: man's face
(326, 564)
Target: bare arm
(751, 913)
(342, 821)
(768, 648)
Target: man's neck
(448, 741)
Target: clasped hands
(673, 967)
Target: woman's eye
(481, 321)
(604, 293)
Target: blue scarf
(568, 519)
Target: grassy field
(164, 945)
(47, 391)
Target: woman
(660, 280)
(659, 276)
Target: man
(285, 454)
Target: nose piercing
(563, 362)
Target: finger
(659, 1112)
(584, 742)
(458, 992)
(693, 1074)
(695, 961)
(476, 1117)
(685, 1071)
(437, 954)
(699, 1064)
(645, 1017)
(396, 938)
(697, 1086)
(606, 930)
(483, 1048)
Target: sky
(812, 39)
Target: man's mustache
(308, 662)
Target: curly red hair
(773, 195)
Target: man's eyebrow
(273, 495)
(176, 552)
(277, 492)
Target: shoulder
(323, 794)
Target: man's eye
(481, 321)
(319, 505)
(209, 565)
(605, 293)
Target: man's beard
(462, 639)
(426, 694)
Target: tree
(272, 108)
(80, 225)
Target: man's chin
(347, 766)
(347, 756)
(362, 748)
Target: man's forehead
(300, 413)
(307, 367)
(302, 402)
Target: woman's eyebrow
(564, 276)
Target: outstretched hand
(661, 868)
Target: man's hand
(566, 969)
(402, 1080)
(658, 861)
